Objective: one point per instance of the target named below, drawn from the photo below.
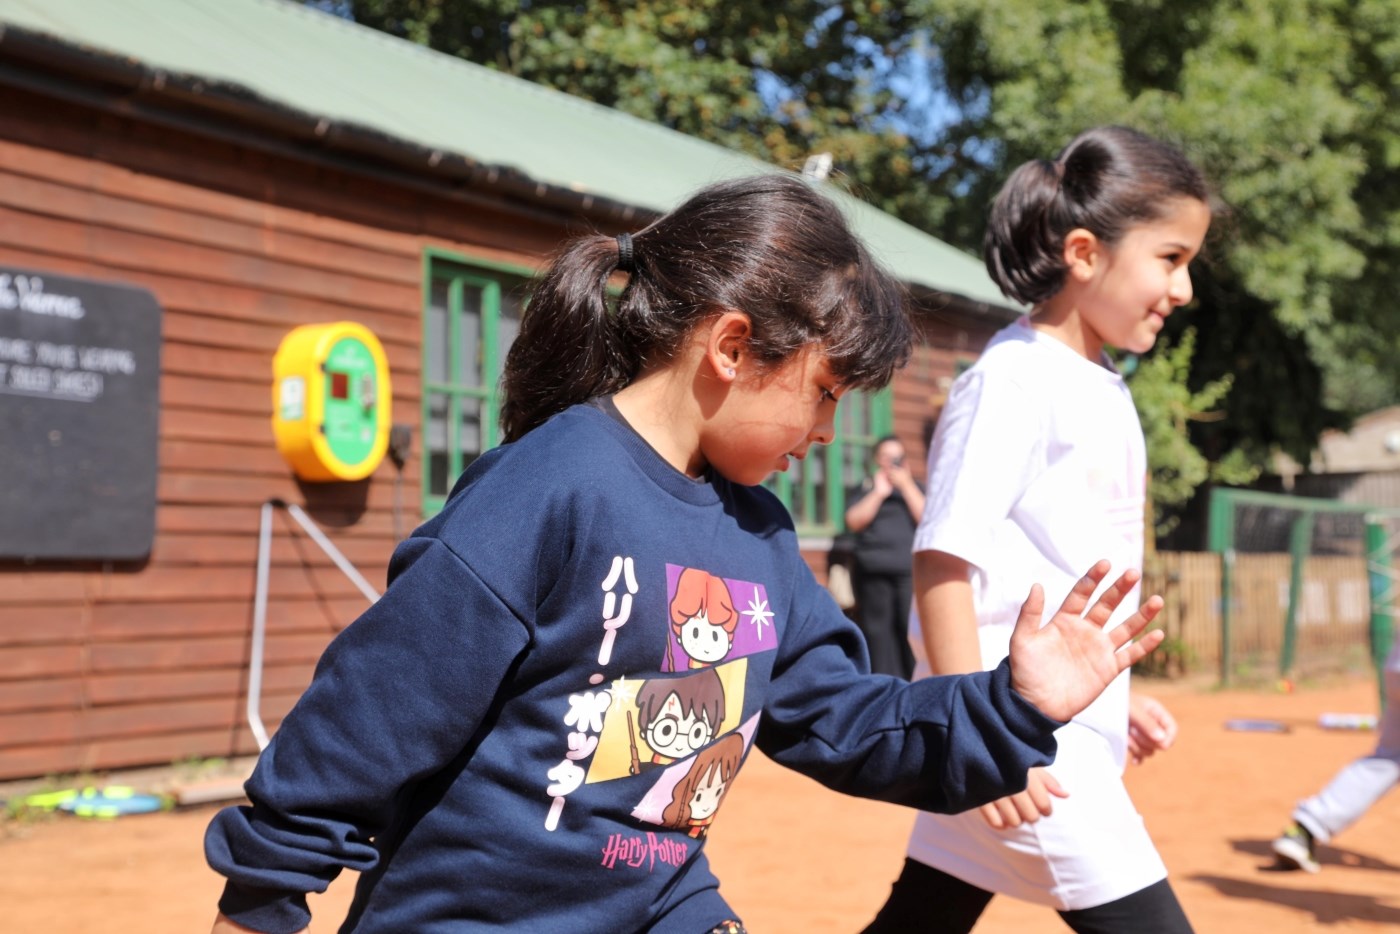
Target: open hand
(1026, 807)
(1062, 666)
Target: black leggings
(927, 900)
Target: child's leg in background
(1361, 783)
(925, 900)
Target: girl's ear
(727, 342)
(1083, 254)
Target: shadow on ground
(1325, 907)
(1326, 855)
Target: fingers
(1026, 807)
(1136, 751)
(1052, 786)
(1130, 627)
(1114, 595)
(1150, 724)
(1036, 803)
(1137, 651)
(1008, 812)
(1032, 611)
(1168, 725)
(1084, 588)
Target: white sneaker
(1295, 850)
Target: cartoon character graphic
(678, 716)
(696, 798)
(703, 617)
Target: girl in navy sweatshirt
(537, 724)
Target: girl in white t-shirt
(1036, 469)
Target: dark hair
(1106, 180)
(769, 246)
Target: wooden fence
(1333, 616)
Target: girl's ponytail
(566, 351)
(1023, 247)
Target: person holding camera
(883, 513)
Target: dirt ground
(796, 857)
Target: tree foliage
(778, 81)
(1168, 409)
(1291, 106)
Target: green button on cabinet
(330, 401)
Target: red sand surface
(795, 857)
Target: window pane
(470, 438)
(470, 362)
(436, 446)
(436, 352)
(512, 306)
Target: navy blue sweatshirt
(538, 722)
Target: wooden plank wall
(105, 667)
(111, 666)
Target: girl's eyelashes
(828, 394)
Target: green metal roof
(325, 67)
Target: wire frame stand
(255, 661)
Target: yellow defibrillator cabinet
(330, 401)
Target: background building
(183, 184)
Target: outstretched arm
(1063, 665)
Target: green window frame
(818, 506)
(471, 314)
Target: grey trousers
(1362, 782)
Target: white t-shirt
(1037, 470)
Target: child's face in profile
(769, 418)
(1144, 277)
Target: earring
(729, 371)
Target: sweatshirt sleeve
(395, 697)
(943, 744)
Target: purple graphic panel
(714, 619)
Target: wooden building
(243, 167)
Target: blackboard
(79, 415)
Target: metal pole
(1222, 541)
(255, 658)
(1300, 543)
(1380, 571)
(329, 548)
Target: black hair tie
(624, 253)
